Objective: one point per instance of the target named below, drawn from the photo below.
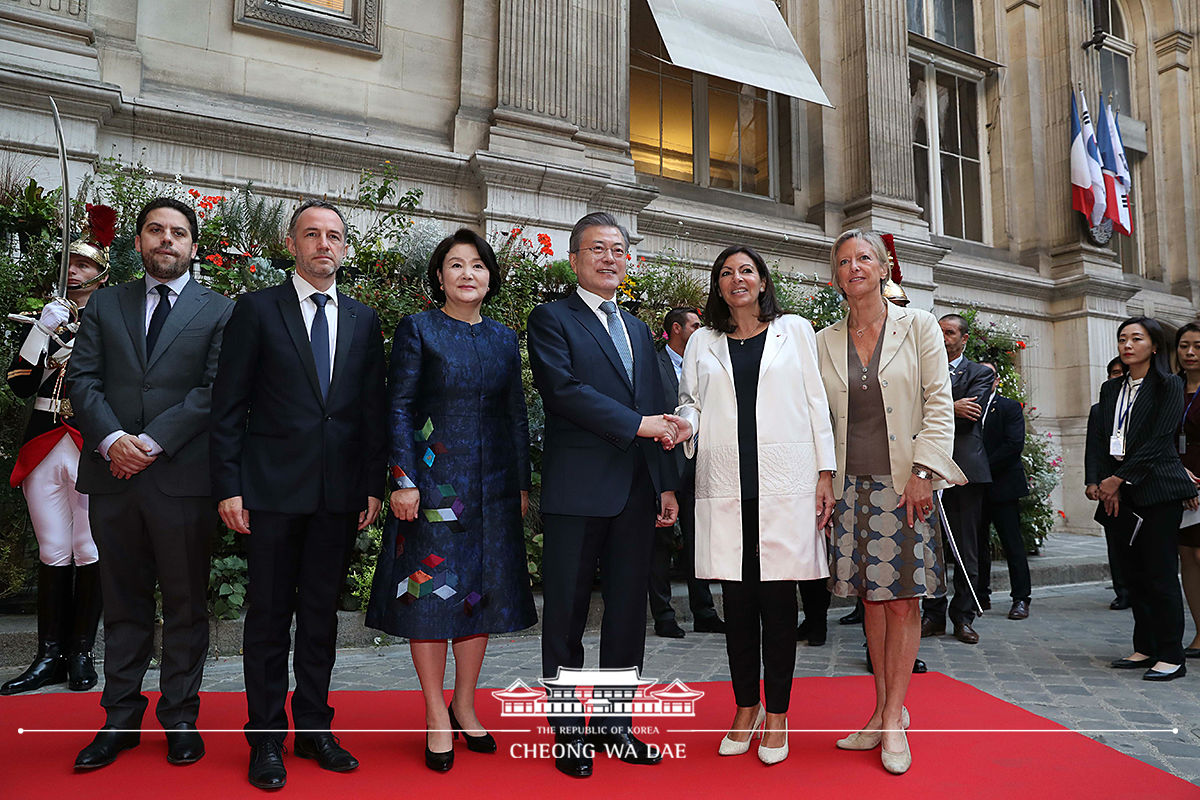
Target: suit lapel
(895, 330)
(588, 319)
(838, 344)
(289, 307)
(187, 305)
(773, 346)
(664, 358)
(347, 320)
(133, 309)
(719, 347)
(1147, 398)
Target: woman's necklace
(759, 328)
(860, 331)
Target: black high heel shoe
(476, 744)
(438, 762)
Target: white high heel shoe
(869, 740)
(731, 748)
(773, 755)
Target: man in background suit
(1003, 424)
(141, 386)
(299, 464)
(678, 325)
(602, 475)
(969, 383)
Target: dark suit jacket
(971, 380)
(685, 467)
(1004, 440)
(116, 385)
(275, 442)
(1151, 467)
(592, 449)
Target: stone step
(1067, 559)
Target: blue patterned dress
(459, 433)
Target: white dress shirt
(308, 310)
(676, 361)
(593, 302)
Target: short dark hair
(305, 206)
(959, 321)
(1187, 327)
(486, 254)
(716, 310)
(1160, 363)
(677, 316)
(1116, 362)
(172, 203)
(597, 219)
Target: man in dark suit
(602, 475)
(1097, 440)
(299, 464)
(1003, 424)
(141, 385)
(678, 326)
(969, 384)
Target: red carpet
(976, 765)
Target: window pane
(943, 21)
(952, 222)
(722, 139)
(1122, 99)
(783, 141)
(921, 168)
(677, 129)
(755, 155)
(968, 119)
(916, 90)
(916, 16)
(964, 25)
(947, 110)
(644, 143)
(972, 202)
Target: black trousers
(145, 537)
(700, 598)
(815, 597)
(1153, 572)
(1006, 516)
(297, 565)
(760, 627)
(1117, 565)
(964, 514)
(572, 546)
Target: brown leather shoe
(931, 628)
(1020, 610)
(965, 633)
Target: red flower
(193, 193)
(1020, 344)
(215, 259)
(252, 268)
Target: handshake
(666, 429)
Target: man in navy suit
(299, 464)
(602, 476)
(1003, 424)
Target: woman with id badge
(1187, 355)
(1144, 487)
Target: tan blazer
(914, 378)
(795, 442)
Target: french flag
(1117, 180)
(1087, 177)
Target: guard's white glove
(54, 314)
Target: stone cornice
(1172, 51)
(1022, 281)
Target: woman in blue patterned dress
(452, 565)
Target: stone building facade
(949, 128)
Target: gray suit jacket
(166, 394)
(685, 466)
(971, 380)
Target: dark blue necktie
(159, 317)
(318, 337)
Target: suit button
(892, 437)
(145, 387)
(883, 383)
(889, 409)
(329, 418)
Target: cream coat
(795, 441)
(914, 378)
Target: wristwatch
(924, 473)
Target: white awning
(745, 41)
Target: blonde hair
(872, 240)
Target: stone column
(879, 182)
(1175, 153)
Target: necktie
(158, 317)
(318, 337)
(617, 333)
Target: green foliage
(356, 592)
(227, 578)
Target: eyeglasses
(598, 250)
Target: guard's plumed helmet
(96, 238)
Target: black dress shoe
(1120, 603)
(573, 756)
(1155, 675)
(919, 667)
(328, 752)
(855, 617)
(1019, 610)
(808, 632)
(931, 628)
(439, 762)
(81, 672)
(184, 745)
(104, 748)
(266, 765)
(476, 744)
(668, 630)
(625, 746)
(713, 624)
(1130, 663)
(1191, 652)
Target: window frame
(359, 32)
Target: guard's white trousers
(59, 513)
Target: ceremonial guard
(46, 468)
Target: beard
(163, 267)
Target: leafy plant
(227, 578)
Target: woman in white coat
(888, 380)
(752, 394)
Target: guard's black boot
(81, 669)
(50, 665)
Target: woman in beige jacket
(751, 391)
(888, 382)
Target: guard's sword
(954, 548)
(60, 289)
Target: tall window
(705, 130)
(950, 22)
(1115, 86)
